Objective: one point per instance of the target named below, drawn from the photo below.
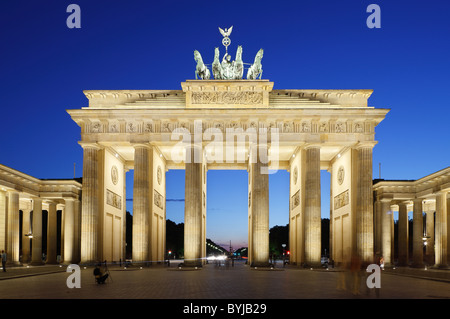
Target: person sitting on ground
(99, 276)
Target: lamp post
(284, 254)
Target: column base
(13, 264)
(37, 263)
(438, 266)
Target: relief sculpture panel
(341, 200)
(113, 199)
(227, 98)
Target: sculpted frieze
(96, 127)
(113, 199)
(341, 200)
(323, 127)
(227, 98)
(339, 127)
(158, 199)
(168, 126)
(358, 128)
(295, 200)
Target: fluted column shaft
(51, 234)
(403, 235)
(69, 231)
(440, 240)
(36, 242)
(418, 233)
(26, 229)
(193, 207)
(90, 205)
(77, 231)
(3, 221)
(259, 206)
(386, 232)
(364, 206)
(429, 250)
(312, 206)
(13, 228)
(141, 202)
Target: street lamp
(284, 254)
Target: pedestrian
(4, 260)
(381, 263)
(99, 275)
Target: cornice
(13, 180)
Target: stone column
(403, 237)
(429, 249)
(77, 231)
(90, 204)
(312, 206)
(447, 221)
(394, 208)
(259, 205)
(69, 231)
(36, 242)
(141, 202)
(51, 234)
(386, 232)
(13, 228)
(3, 220)
(417, 233)
(440, 240)
(193, 207)
(364, 205)
(26, 240)
(377, 226)
(61, 243)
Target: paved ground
(238, 283)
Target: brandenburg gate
(227, 123)
(224, 119)
(152, 131)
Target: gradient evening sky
(314, 44)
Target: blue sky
(314, 44)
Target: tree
(175, 238)
(278, 235)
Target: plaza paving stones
(213, 282)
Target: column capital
(37, 199)
(361, 145)
(50, 202)
(142, 145)
(12, 191)
(441, 192)
(311, 145)
(85, 145)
